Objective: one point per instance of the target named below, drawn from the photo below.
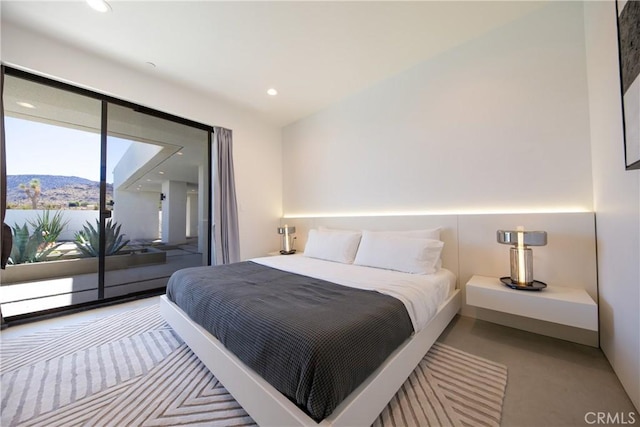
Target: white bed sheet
(421, 294)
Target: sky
(35, 148)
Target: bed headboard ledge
(448, 234)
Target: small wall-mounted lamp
(287, 239)
(522, 257)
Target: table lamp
(287, 240)
(522, 257)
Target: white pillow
(333, 245)
(400, 253)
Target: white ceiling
(313, 53)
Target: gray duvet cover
(313, 340)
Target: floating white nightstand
(557, 304)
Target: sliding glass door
(105, 200)
(53, 190)
(158, 173)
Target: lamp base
(291, 252)
(535, 286)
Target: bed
(222, 330)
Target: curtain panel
(226, 236)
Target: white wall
(174, 212)
(76, 219)
(257, 148)
(137, 214)
(192, 215)
(497, 124)
(616, 195)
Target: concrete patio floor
(35, 296)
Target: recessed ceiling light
(272, 92)
(179, 153)
(161, 173)
(25, 104)
(99, 5)
(148, 180)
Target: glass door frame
(104, 213)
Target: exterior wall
(192, 215)
(77, 219)
(174, 212)
(136, 156)
(137, 212)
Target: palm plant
(88, 239)
(51, 226)
(29, 247)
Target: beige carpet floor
(132, 369)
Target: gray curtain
(6, 239)
(225, 229)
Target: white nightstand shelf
(566, 306)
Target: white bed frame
(268, 407)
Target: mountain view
(56, 192)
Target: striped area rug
(131, 369)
